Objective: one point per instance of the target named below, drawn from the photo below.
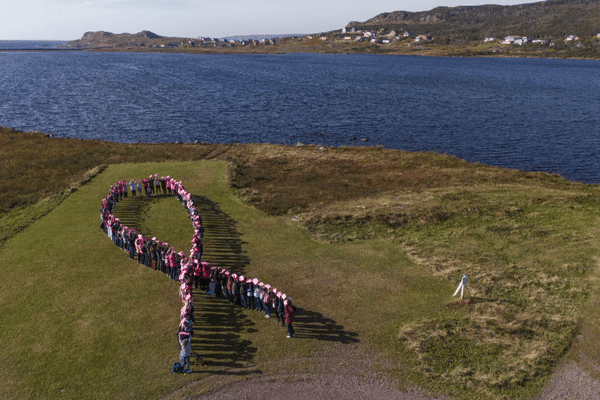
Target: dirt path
(344, 371)
(348, 372)
(571, 382)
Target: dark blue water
(13, 45)
(528, 114)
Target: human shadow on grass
(314, 325)
(222, 241)
(217, 335)
(219, 324)
(132, 211)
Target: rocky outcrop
(108, 39)
(93, 36)
(147, 35)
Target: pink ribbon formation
(189, 271)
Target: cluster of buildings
(518, 40)
(382, 36)
(521, 40)
(231, 42)
(216, 42)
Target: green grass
(83, 321)
(527, 241)
(371, 265)
(530, 254)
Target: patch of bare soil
(316, 387)
(570, 381)
(343, 371)
(350, 372)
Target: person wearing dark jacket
(281, 309)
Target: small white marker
(461, 286)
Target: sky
(70, 19)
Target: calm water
(519, 113)
(29, 44)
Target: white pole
(461, 286)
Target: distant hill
(545, 19)
(108, 39)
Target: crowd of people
(190, 271)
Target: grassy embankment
(378, 238)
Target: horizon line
(166, 36)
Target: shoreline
(301, 45)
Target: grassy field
(369, 242)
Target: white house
(423, 38)
(513, 39)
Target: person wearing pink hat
(197, 273)
(132, 186)
(161, 251)
(205, 281)
(151, 183)
(256, 295)
(163, 184)
(235, 289)
(280, 309)
(229, 285)
(185, 344)
(224, 283)
(267, 298)
(170, 261)
(290, 315)
(153, 254)
(261, 297)
(243, 291)
(156, 184)
(250, 293)
(130, 241)
(139, 246)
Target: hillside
(554, 29)
(102, 39)
(546, 19)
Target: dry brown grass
(526, 240)
(34, 166)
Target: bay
(530, 114)
(17, 45)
